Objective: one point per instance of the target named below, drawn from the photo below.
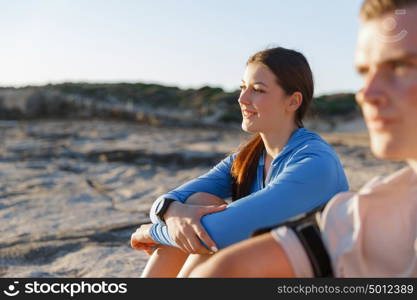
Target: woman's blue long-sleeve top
(306, 174)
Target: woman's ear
(295, 101)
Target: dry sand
(72, 192)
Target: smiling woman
(275, 176)
(276, 93)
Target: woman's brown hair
(293, 74)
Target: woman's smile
(247, 114)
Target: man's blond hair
(372, 9)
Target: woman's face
(264, 104)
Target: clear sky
(186, 43)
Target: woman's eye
(242, 87)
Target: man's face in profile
(386, 58)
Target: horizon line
(169, 85)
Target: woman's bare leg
(260, 256)
(165, 261)
(168, 261)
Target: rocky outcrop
(56, 102)
(150, 104)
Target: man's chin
(385, 150)
(382, 154)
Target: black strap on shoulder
(306, 228)
(310, 237)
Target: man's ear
(295, 101)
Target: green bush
(336, 104)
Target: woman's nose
(244, 97)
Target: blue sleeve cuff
(159, 233)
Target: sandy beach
(72, 192)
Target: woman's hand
(185, 229)
(141, 239)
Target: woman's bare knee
(166, 261)
(166, 250)
(202, 198)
